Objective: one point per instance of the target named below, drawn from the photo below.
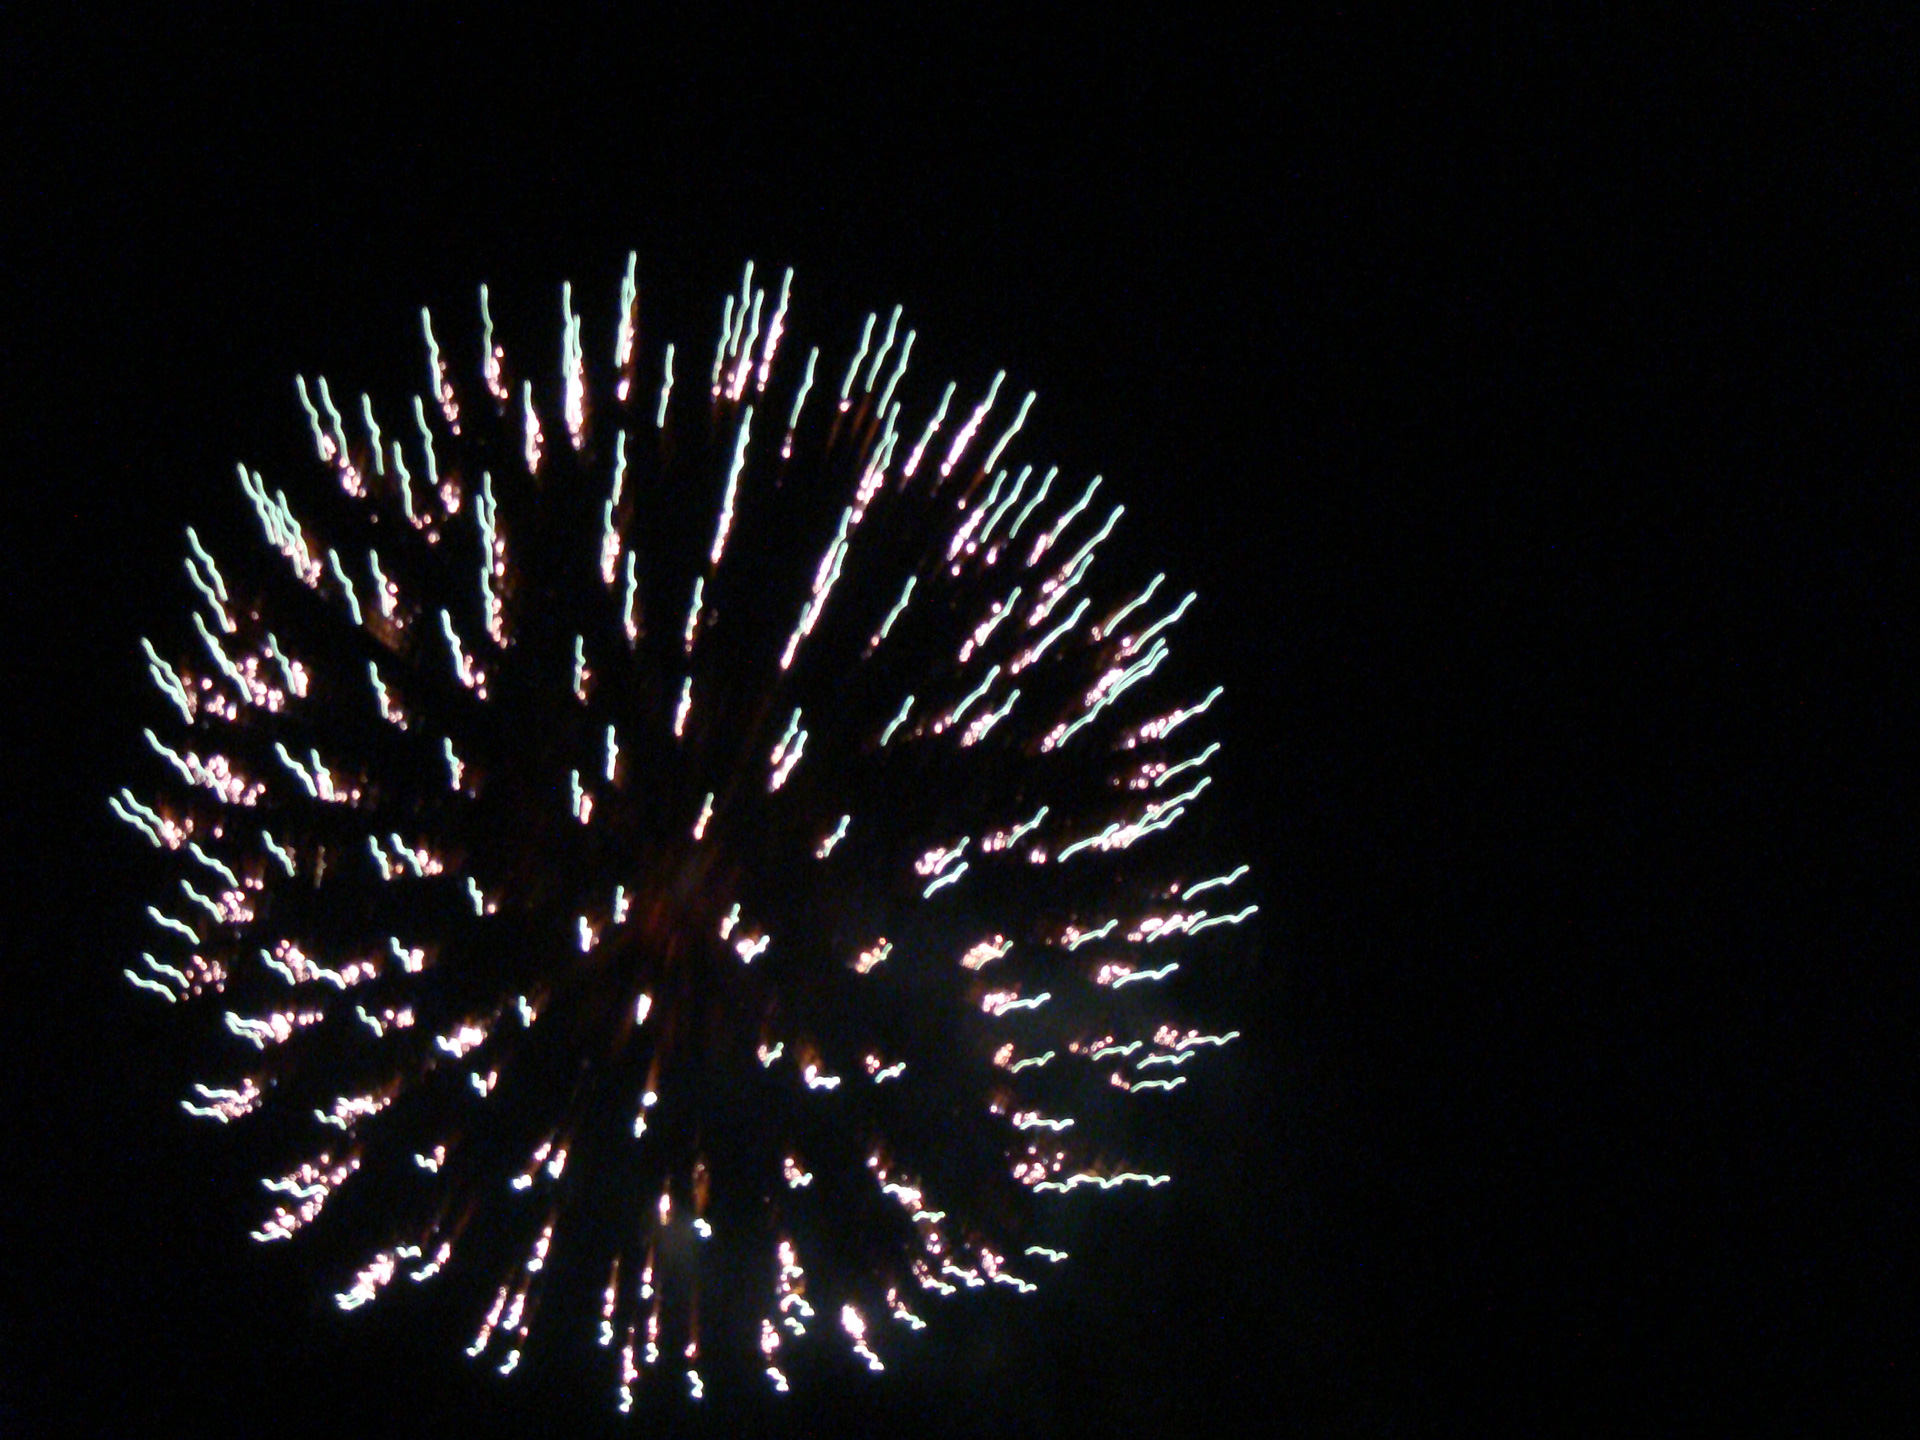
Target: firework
(703, 833)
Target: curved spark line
(490, 843)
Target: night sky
(1528, 403)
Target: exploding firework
(696, 841)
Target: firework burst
(699, 835)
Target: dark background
(1533, 404)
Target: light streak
(966, 703)
(985, 952)
(827, 842)
(212, 587)
(629, 614)
(1006, 839)
(349, 1109)
(1178, 1058)
(899, 719)
(371, 1280)
(855, 1325)
(666, 389)
(725, 523)
(1072, 572)
(154, 985)
(609, 532)
(227, 1103)
(1034, 1120)
(1164, 725)
(1227, 879)
(899, 369)
(1049, 538)
(1133, 642)
(1001, 609)
(282, 530)
(799, 399)
(1040, 647)
(492, 357)
(629, 318)
(786, 752)
(572, 369)
(775, 328)
(1132, 976)
(388, 1019)
(1105, 1182)
(1167, 774)
(1020, 419)
(1073, 937)
(1000, 1002)
(825, 578)
(167, 922)
(1234, 919)
(846, 385)
(951, 877)
(168, 682)
(437, 380)
(971, 428)
(464, 670)
(1107, 626)
(1172, 1084)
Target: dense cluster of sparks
(646, 897)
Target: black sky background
(1533, 404)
